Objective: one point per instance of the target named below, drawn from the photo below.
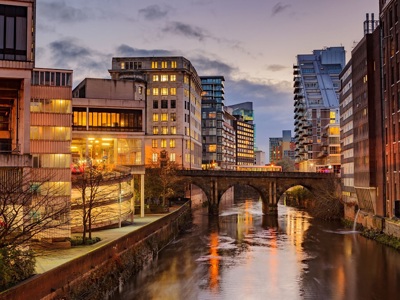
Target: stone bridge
(270, 185)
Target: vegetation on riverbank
(382, 238)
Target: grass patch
(78, 241)
(387, 240)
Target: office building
(173, 107)
(316, 108)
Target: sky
(252, 43)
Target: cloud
(210, 67)
(154, 12)
(278, 8)
(125, 50)
(69, 53)
(185, 30)
(276, 68)
(61, 12)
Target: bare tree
(29, 209)
(97, 190)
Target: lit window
(154, 143)
(172, 143)
(155, 78)
(154, 64)
(164, 78)
(122, 65)
(172, 77)
(212, 148)
(163, 143)
(173, 64)
(164, 117)
(172, 157)
(164, 129)
(172, 117)
(155, 130)
(155, 117)
(186, 79)
(155, 91)
(164, 64)
(155, 157)
(164, 91)
(140, 90)
(173, 91)
(173, 129)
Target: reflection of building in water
(214, 262)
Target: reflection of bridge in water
(269, 185)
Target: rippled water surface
(243, 254)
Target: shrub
(16, 265)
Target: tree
(161, 180)
(95, 191)
(30, 210)
(287, 164)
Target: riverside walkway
(52, 258)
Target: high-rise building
(217, 128)
(245, 132)
(316, 109)
(173, 106)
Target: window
(172, 91)
(164, 78)
(164, 91)
(155, 130)
(13, 33)
(154, 64)
(173, 129)
(164, 117)
(155, 78)
(164, 103)
(155, 91)
(164, 129)
(154, 157)
(173, 64)
(163, 143)
(140, 90)
(172, 157)
(155, 103)
(172, 117)
(164, 64)
(154, 143)
(173, 103)
(172, 143)
(122, 65)
(172, 77)
(155, 117)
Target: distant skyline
(253, 44)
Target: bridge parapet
(254, 174)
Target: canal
(243, 254)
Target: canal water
(243, 254)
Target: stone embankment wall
(98, 273)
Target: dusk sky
(252, 43)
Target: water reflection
(243, 254)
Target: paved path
(49, 259)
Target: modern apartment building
(173, 106)
(316, 105)
(217, 129)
